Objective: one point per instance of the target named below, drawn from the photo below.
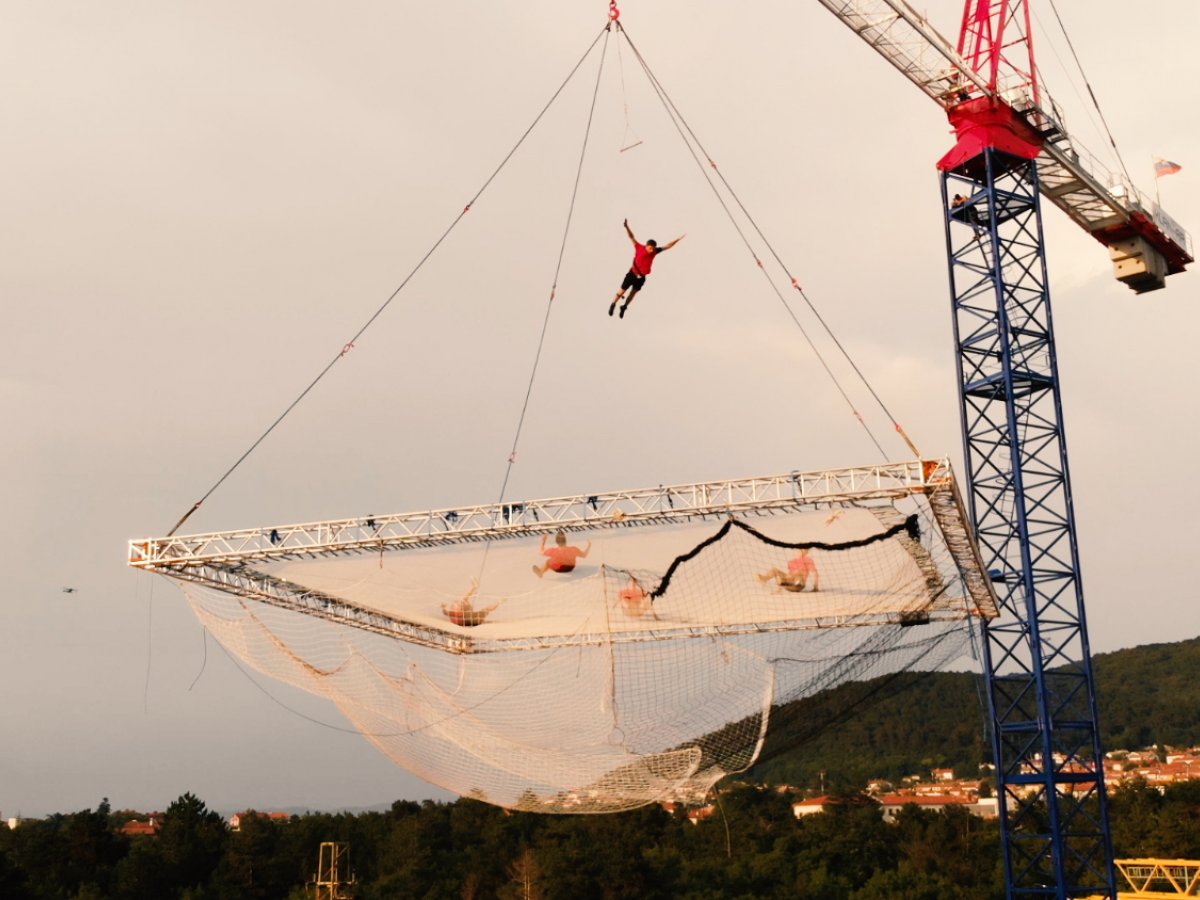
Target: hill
(910, 723)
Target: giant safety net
(601, 652)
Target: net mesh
(647, 671)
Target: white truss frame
(223, 560)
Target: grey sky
(203, 202)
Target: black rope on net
(349, 345)
(910, 526)
(690, 138)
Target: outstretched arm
(671, 244)
(629, 231)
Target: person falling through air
(643, 259)
(562, 557)
(801, 569)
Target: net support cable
(562, 249)
(350, 344)
(1092, 94)
(693, 142)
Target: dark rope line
(686, 557)
(673, 111)
(512, 456)
(149, 647)
(911, 525)
(1091, 93)
(349, 345)
(203, 661)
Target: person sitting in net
(463, 611)
(562, 557)
(801, 570)
(643, 259)
(635, 602)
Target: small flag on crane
(1165, 167)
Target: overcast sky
(201, 203)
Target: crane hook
(613, 12)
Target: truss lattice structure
(236, 562)
(1104, 203)
(1161, 878)
(1045, 736)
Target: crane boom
(1145, 243)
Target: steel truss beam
(1046, 742)
(1104, 203)
(225, 561)
(1160, 878)
(523, 518)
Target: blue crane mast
(1012, 151)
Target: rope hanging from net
(693, 144)
(349, 345)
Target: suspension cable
(691, 139)
(1091, 93)
(512, 457)
(349, 345)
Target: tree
(525, 878)
(192, 842)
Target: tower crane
(1012, 150)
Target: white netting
(648, 672)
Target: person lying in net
(635, 602)
(801, 568)
(561, 557)
(643, 259)
(463, 611)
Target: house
(137, 828)
(893, 803)
(235, 821)
(698, 814)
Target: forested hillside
(751, 846)
(910, 723)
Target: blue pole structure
(1041, 691)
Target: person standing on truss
(562, 557)
(800, 569)
(643, 259)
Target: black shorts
(633, 280)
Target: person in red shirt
(801, 570)
(643, 259)
(635, 602)
(562, 558)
